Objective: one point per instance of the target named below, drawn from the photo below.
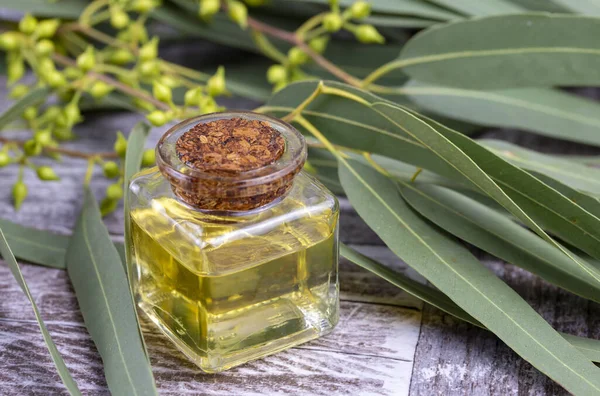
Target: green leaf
(506, 51)
(453, 270)
(496, 234)
(577, 176)
(544, 111)
(589, 347)
(62, 369)
(586, 7)
(15, 111)
(534, 203)
(69, 9)
(382, 20)
(104, 297)
(540, 5)
(480, 8)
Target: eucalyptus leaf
(105, 301)
(579, 177)
(15, 111)
(480, 8)
(453, 270)
(475, 223)
(540, 5)
(544, 111)
(61, 367)
(506, 51)
(69, 9)
(586, 7)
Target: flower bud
(208, 105)
(118, 18)
(276, 73)
(107, 206)
(72, 114)
(162, 92)
(157, 118)
(333, 22)
(19, 193)
(121, 56)
(87, 59)
(55, 79)
(16, 69)
(43, 137)
(51, 112)
(31, 148)
(296, 56)
(100, 89)
(319, 44)
(238, 13)
(114, 191)
(30, 113)
(360, 9)
(215, 85)
(63, 133)
(4, 159)
(208, 8)
(149, 68)
(137, 32)
(46, 65)
(27, 24)
(368, 34)
(169, 81)
(279, 86)
(111, 169)
(46, 173)
(149, 51)
(72, 73)
(142, 104)
(44, 47)
(47, 28)
(18, 91)
(148, 158)
(192, 97)
(143, 6)
(10, 41)
(120, 145)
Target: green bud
(148, 158)
(30, 113)
(4, 159)
(169, 81)
(121, 56)
(118, 18)
(120, 145)
(333, 22)
(43, 137)
(19, 193)
(276, 73)
(149, 51)
(27, 24)
(137, 32)
(192, 97)
(297, 57)
(208, 8)
(161, 92)
(107, 206)
(31, 148)
(46, 173)
(10, 41)
(143, 6)
(149, 68)
(47, 28)
(55, 79)
(360, 9)
(63, 133)
(87, 59)
(44, 47)
(279, 86)
(16, 69)
(208, 105)
(72, 73)
(215, 85)
(142, 104)
(72, 114)
(157, 118)
(100, 89)
(46, 65)
(319, 44)
(18, 91)
(51, 112)
(238, 13)
(114, 191)
(111, 169)
(368, 34)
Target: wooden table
(387, 342)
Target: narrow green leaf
(496, 234)
(69, 9)
(393, 21)
(453, 270)
(585, 7)
(15, 111)
(580, 177)
(135, 150)
(401, 7)
(61, 367)
(480, 8)
(506, 51)
(104, 297)
(589, 347)
(540, 5)
(545, 111)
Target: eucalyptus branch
(63, 151)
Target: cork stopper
(231, 162)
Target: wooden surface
(387, 342)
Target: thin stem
(90, 171)
(61, 150)
(298, 110)
(263, 43)
(310, 24)
(383, 70)
(91, 9)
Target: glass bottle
(234, 265)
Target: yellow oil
(227, 291)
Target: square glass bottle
(234, 248)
